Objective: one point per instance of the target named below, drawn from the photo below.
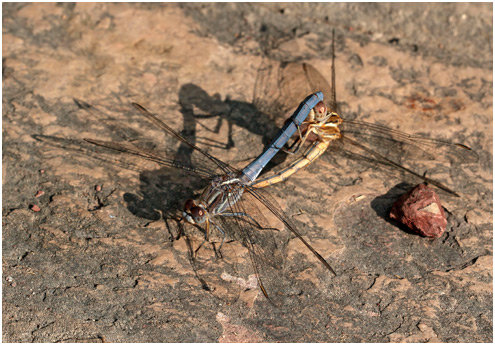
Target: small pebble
(11, 281)
(35, 208)
(39, 193)
(98, 188)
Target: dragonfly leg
(289, 150)
(206, 238)
(197, 249)
(207, 230)
(180, 224)
(299, 142)
(218, 254)
(299, 131)
(223, 239)
(297, 126)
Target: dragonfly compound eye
(198, 214)
(189, 204)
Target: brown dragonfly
(279, 85)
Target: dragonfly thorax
(223, 192)
(333, 120)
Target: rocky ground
(89, 237)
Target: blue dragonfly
(229, 193)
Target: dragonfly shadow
(196, 105)
(383, 204)
(161, 191)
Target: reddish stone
(98, 188)
(421, 211)
(39, 193)
(35, 208)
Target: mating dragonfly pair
(233, 194)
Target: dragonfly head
(318, 113)
(194, 214)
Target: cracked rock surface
(90, 248)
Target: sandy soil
(94, 257)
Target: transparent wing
(197, 166)
(217, 276)
(280, 87)
(87, 149)
(355, 149)
(188, 155)
(271, 205)
(265, 245)
(397, 145)
(166, 128)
